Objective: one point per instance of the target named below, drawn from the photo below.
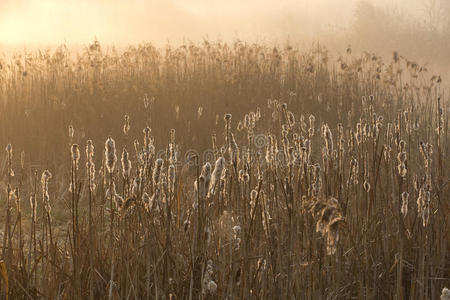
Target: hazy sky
(128, 21)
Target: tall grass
(246, 171)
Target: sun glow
(131, 21)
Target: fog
(129, 21)
(417, 29)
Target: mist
(418, 29)
(40, 22)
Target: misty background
(417, 29)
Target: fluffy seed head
(126, 164)
(110, 154)
(75, 150)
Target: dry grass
(194, 185)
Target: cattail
(303, 125)
(208, 284)
(333, 234)
(212, 287)
(312, 120)
(252, 121)
(405, 198)
(110, 154)
(146, 201)
(147, 140)
(126, 164)
(328, 217)
(227, 117)
(423, 205)
(172, 136)
(126, 125)
(171, 178)
(426, 149)
(71, 131)
(14, 196)
(236, 231)
(366, 185)
(146, 101)
(354, 170)
(90, 165)
(402, 170)
(157, 171)
(89, 151)
(445, 295)
(240, 126)
(216, 174)
(9, 152)
(33, 206)
(253, 197)
(291, 118)
(214, 145)
(206, 173)
(328, 137)
(75, 151)
(270, 156)
(401, 145)
(22, 159)
(45, 178)
(172, 154)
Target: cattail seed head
(366, 186)
(75, 151)
(110, 155)
(22, 159)
(445, 294)
(216, 175)
(171, 178)
(291, 118)
(71, 131)
(206, 173)
(89, 150)
(90, 165)
(157, 171)
(126, 164)
(9, 151)
(45, 178)
(126, 125)
(405, 198)
(227, 117)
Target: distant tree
(373, 24)
(437, 14)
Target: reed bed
(223, 171)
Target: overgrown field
(222, 171)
